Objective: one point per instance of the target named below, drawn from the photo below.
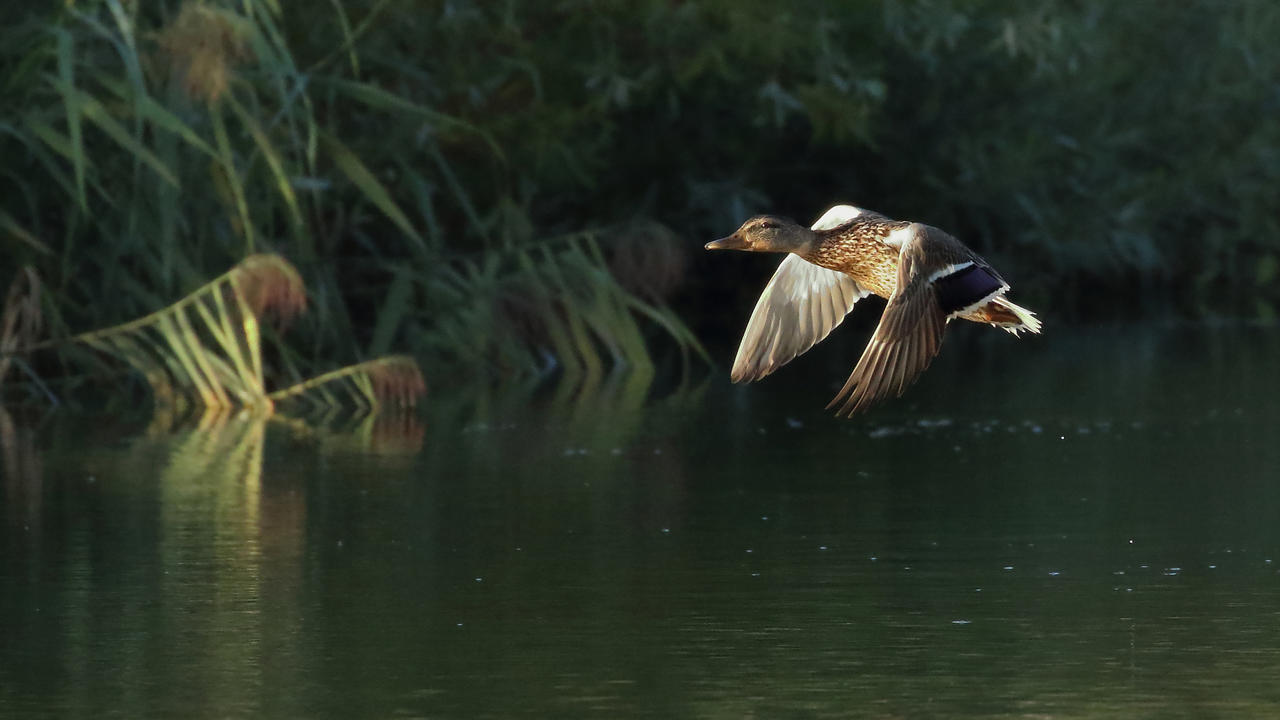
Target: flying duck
(928, 277)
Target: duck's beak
(733, 242)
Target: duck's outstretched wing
(938, 278)
(801, 305)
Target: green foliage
(1120, 147)
(500, 187)
(153, 146)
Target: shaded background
(1087, 527)
(503, 188)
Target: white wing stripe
(950, 269)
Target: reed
(158, 142)
(396, 379)
(207, 346)
(205, 350)
(467, 181)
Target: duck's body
(928, 277)
(867, 248)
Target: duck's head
(766, 233)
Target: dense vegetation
(499, 187)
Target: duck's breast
(862, 256)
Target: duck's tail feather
(1026, 320)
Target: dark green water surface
(1085, 524)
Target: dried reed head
(648, 260)
(203, 45)
(271, 285)
(396, 379)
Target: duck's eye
(768, 225)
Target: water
(1085, 525)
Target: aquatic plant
(207, 345)
(504, 189)
(206, 349)
(395, 379)
(158, 142)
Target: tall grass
(504, 188)
(205, 350)
(149, 143)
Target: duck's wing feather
(936, 277)
(801, 305)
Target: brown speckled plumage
(927, 276)
(857, 249)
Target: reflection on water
(1079, 528)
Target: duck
(928, 277)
